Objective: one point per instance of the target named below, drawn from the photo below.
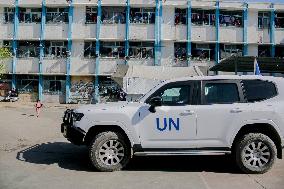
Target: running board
(182, 153)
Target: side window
(221, 93)
(174, 95)
(258, 90)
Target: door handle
(187, 112)
(236, 110)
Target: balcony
(29, 3)
(56, 31)
(7, 2)
(29, 31)
(108, 66)
(52, 66)
(6, 31)
(56, 2)
(8, 64)
(203, 33)
(263, 36)
(144, 62)
(142, 31)
(86, 31)
(175, 3)
(114, 2)
(85, 66)
(231, 34)
(27, 65)
(279, 36)
(85, 2)
(82, 66)
(144, 3)
(112, 31)
(231, 5)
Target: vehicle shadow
(69, 156)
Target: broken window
(8, 45)
(56, 49)
(27, 83)
(30, 15)
(9, 14)
(203, 52)
(142, 15)
(231, 18)
(279, 51)
(27, 49)
(112, 49)
(91, 15)
(228, 50)
(264, 51)
(57, 15)
(180, 51)
(263, 20)
(202, 17)
(113, 15)
(90, 49)
(279, 20)
(141, 50)
(180, 16)
(53, 85)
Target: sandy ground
(34, 154)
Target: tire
(255, 153)
(109, 152)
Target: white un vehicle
(238, 115)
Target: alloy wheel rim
(111, 152)
(256, 154)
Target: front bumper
(73, 134)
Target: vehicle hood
(109, 106)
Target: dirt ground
(34, 154)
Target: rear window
(258, 90)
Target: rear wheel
(109, 151)
(255, 153)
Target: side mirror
(154, 102)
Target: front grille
(68, 117)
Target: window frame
(229, 81)
(142, 11)
(9, 15)
(190, 84)
(56, 15)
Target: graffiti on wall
(81, 91)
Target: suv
(213, 115)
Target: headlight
(77, 116)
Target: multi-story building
(64, 49)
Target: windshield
(140, 98)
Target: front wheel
(255, 153)
(109, 151)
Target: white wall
(56, 31)
(29, 31)
(27, 65)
